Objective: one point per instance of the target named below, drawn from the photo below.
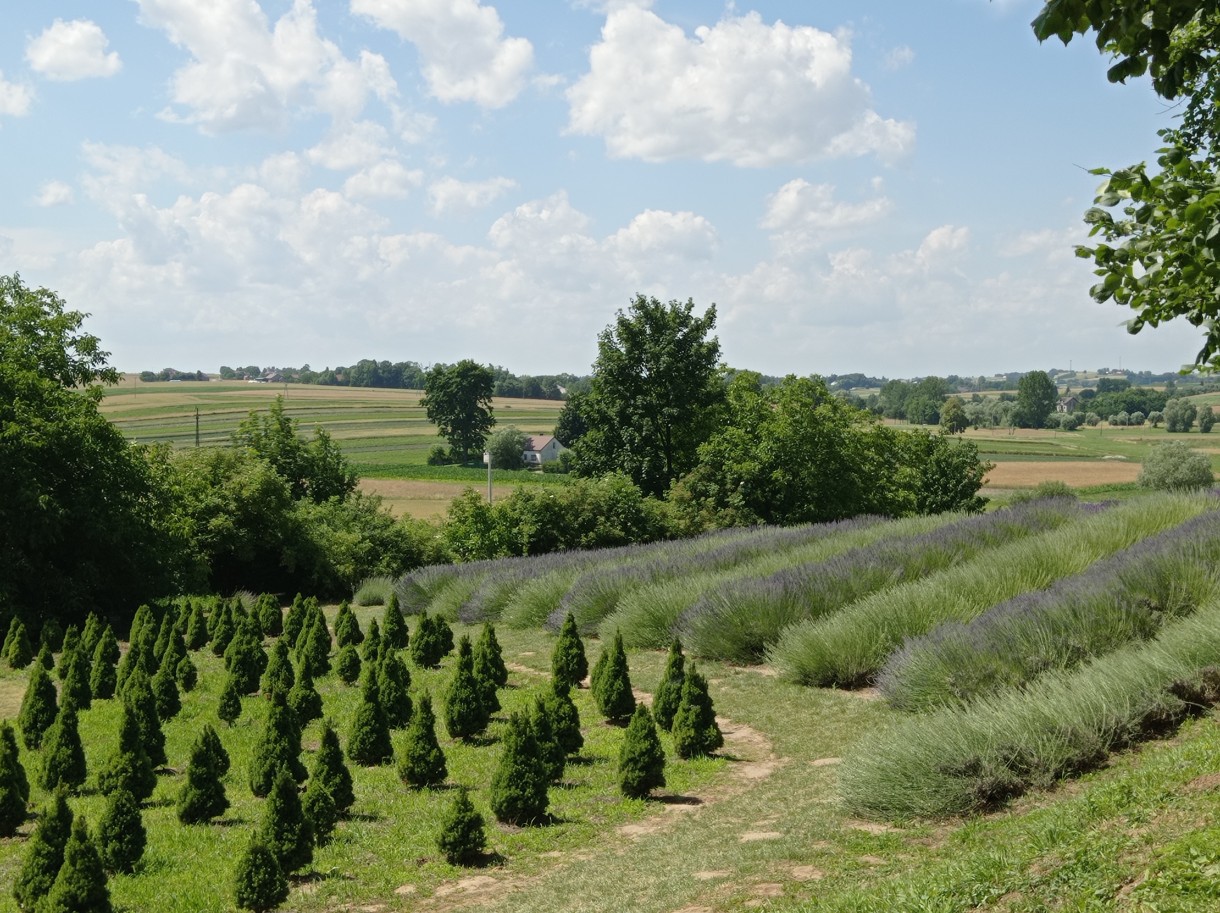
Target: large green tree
(655, 396)
(457, 399)
(1159, 227)
(1036, 398)
(82, 517)
(315, 469)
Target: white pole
(487, 460)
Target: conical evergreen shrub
(63, 757)
(489, 658)
(71, 639)
(462, 837)
(372, 644)
(80, 884)
(103, 679)
(211, 741)
(127, 665)
(568, 661)
(432, 642)
(229, 708)
(76, 680)
(165, 690)
(14, 784)
(17, 647)
(565, 718)
(44, 854)
(313, 646)
(669, 692)
(121, 836)
(369, 743)
(695, 730)
(304, 699)
(393, 684)
(91, 633)
(245, 659)
(165, 632)
(466, 712)
(144, 648)
(279, 746)
(393, 625)
(260, 883)
(138, 691)
(348, 664)
(295, 620)
(222, 630)
(38, 707)
(14, 625)
(613, 692)
(129, 768)
(197, 635)
(347, 628)
(319, 808)
(598, 673)
(285, 829)
(519, 783)
(175, 650)
(52, 634)
(554, 758)
(422, 763)
(270, 616)
(641, 760)
(203, 796)
(279, 675)
(186, 674)
(330, 769)
(44, 656)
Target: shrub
(313, 647)
(270, 615)
(393, 684)
(81, 881)
(121, 835)
(165, 692)
(76, 671)
(1173, 466)
(422, 763)
(374, 590)
(641, 760)
(44, 855)
(519, 783)
(138, 691)
(393, 625)
(330, 769)
(17, 647)
(260, 883)
(63, 760)
(347, 628)
(279, 746)
(565, 718)
(568, 661)
(229, 707)
(347, 664)
(285, 829)
(466, 711)
(1179, 415)
(245, 660)
(372, 643)
(462, 837)
(489, 658)
(279, 674)
(197, 635)
(203, 796)
(304, 700)
(129, 768)
(613, 691)
(369, 743)
(186, 674)
(432, 642)
(38, 707)
(103, 679)
(14, 785)
(1207, 419)
(695, 730)
(319, 808)
(669, 692)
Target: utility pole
(196, 427)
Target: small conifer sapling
(462, 837)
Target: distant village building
(540, 449)
(1067, 404)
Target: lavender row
(1126, 597)
(737, 623)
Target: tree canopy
(1159, 229)
(655, 394)
(457, 399)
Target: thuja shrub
(76, 680)
(260, 883)
(229, 706)
(196, 627)
(554, 757)
(422, 762)
(519, 783)
(17, 647)
(319, 807)
(44, 854)
(565, 718)
(38, 708)
(279, 674)
(613, 689)
(103, 679)
(121, 835)
(393, 625)
(203, 795)
(304, 699)
(489, 658)
(432, 641)
(568, 661)
(279, 747)
(369, 743)
(81, 882)
(63, 756)
(285, 829)
(14, 784)
(669, 692)
(165, 691)
(330, 769)
(129, 769)
(138, 691)
(347, 664)
(186, 674)
(347, 628)
(641, 759)
(393, 686)
(371, 648)
(695, 730)
(270, 616)
(313, 647)
(466, 710)
(462, 836)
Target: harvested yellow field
(1076, 473)
(415, 497)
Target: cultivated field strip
(850, 646)
(1128, 596)
(737, 622)
(958, 760)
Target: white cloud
(15, 100)
(450, 194)
(67, 51)
(740, 91)
(349, 146)
(244, 73)
(899, 57)
(803, 215)
(462, 47)
(54, 193)
(384, 179)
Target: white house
(541, 448)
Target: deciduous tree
(457, 399)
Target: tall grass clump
(374, 591)
(955, 761)
(1128, 596)
(737, 622)
(848, 647)
(648, 616)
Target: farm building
(1067, 404)
(542, 448)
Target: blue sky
(887, 187)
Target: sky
(879, 186)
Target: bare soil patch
(1076, 473)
